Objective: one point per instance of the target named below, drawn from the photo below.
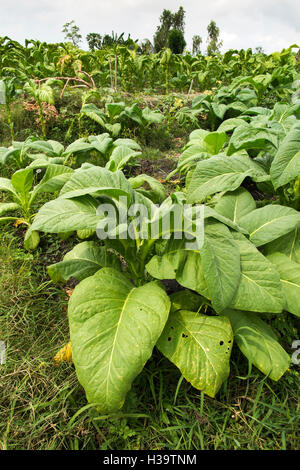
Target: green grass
(42, 405)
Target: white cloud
(271, 24)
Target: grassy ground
(42, 405)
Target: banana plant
(244, 261)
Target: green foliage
(94, 41)
(176, 41)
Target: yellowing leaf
(64, 354)
(19, 222)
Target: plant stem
(10, 122)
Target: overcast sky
(272, 24)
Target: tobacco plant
(244, 270)
(260, 144)
(116, 115)
(114, 154)
(23, 194)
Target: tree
(161, 36)
(178, 20)
(168, 21)
(176, 41)
(94, 41)
(72, 32)
(214, 43)
(197, 41)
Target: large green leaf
(258, 343)
(210, 213)
(185, 300)
(230, 124)
(83, 261)
(22, 181)
(78, 147)
(114, 109)
(49, 147)
(114, 129)
(289, 272)
(5, 153)
(130, 143)
(8, 207)
(269, 222)
(120, 156)
(289, 245)
(135, 113)
(200, 347)
(189, 158)
(235, 204)
(96, 180)
(181, 264)
(246, 136)
(219, 109)
(66, 215)
(5, 185)
(41, 160)
(156, 193)
(214, 142)
(101, 142)
(213, 270)
(31, 240)
(220, 259)
(286, 163)
(221, 174)
(152, 117)
(259, 289)
(54, 179)
(114, 327)
(198, 134)
(90, 110)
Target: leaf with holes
(200, 347)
